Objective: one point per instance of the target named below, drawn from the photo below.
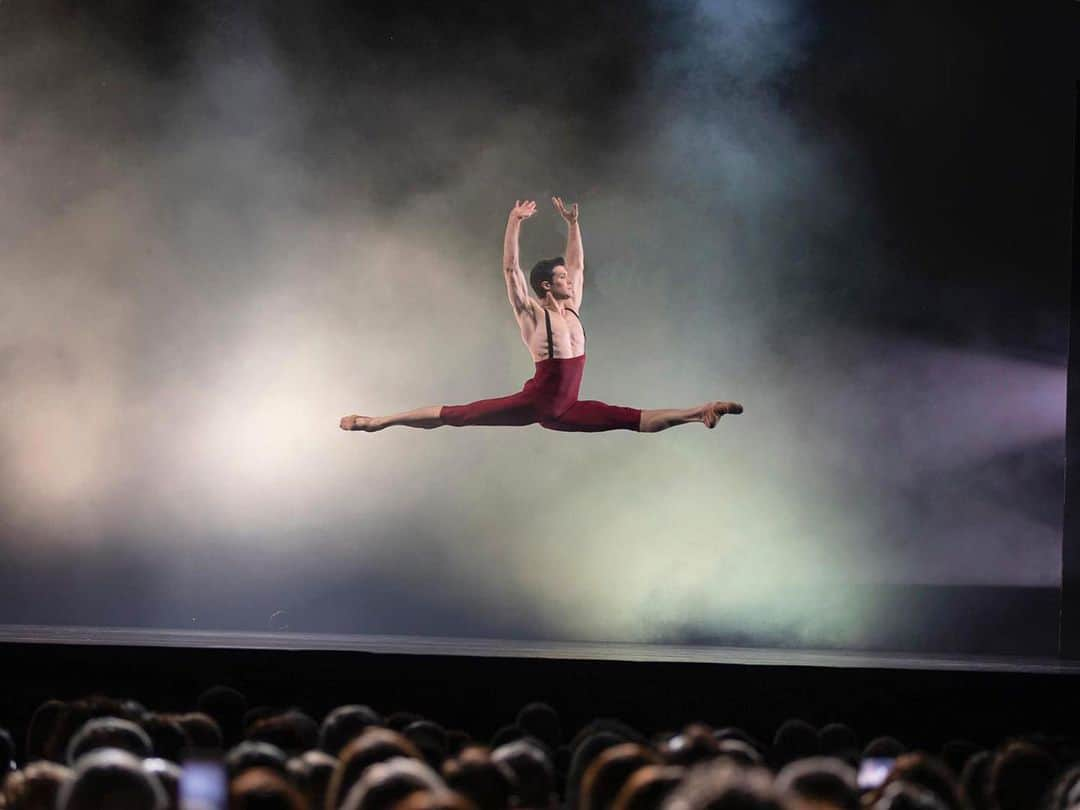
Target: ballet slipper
(714, 410)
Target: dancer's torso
(557, 344)
(565, 340)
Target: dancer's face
(561, 287)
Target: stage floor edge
(509, 648)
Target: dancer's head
(550, 275)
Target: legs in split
(584, 416)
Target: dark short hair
(374, 745)
(541, 721)
(343, 724)
(488, 782)
(1021, 775)
(821, 779)
(544, 270)
(109, 732)
(532, 769)
(113, 774)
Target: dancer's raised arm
(575, 256)
(516, 288)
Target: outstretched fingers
(523, 209)
(569, 214)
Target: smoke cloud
(207, 266)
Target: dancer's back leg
(590, 416)
(514, 410)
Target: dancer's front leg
(427, 417)
(709, 413)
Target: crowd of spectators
(102, 753)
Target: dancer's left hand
(569, 214)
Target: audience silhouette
(101, 752)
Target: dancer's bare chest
(567, 335)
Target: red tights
(549, 398)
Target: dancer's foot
(355, 422)
(712, 411)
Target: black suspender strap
(551, 343)
(579, 321)
(547, 321)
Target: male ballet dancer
(556, 342)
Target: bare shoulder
(529, 313)
(532, 307)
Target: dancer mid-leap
(557, 344)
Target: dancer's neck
(555, 305)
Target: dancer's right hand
(523, 209)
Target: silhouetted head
(167, 736)
(695, 743)
(1066, 790)
(35, 787)
(533, 772)
(227, 706)
(168, 775)
(819, 782)
(292, 731)
(434, 800)
(43, 724)
(648, 787)
(607, 774)
(75, 716)
(975, 780)
(385, 784)
(373, 746)
(585, 752)
(901, 796)
(723, 786)
(540, 720)
(795, 739)
(250, 754)
(929, 774)
(344, 724)
(111, 777)
(430, 738)
(109, 732)
(202, 730)
(550, 276)
(311, 773)
(486, 782)
(264, 789)
(1021, 776)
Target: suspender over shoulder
(551, 343)
(547, 322)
